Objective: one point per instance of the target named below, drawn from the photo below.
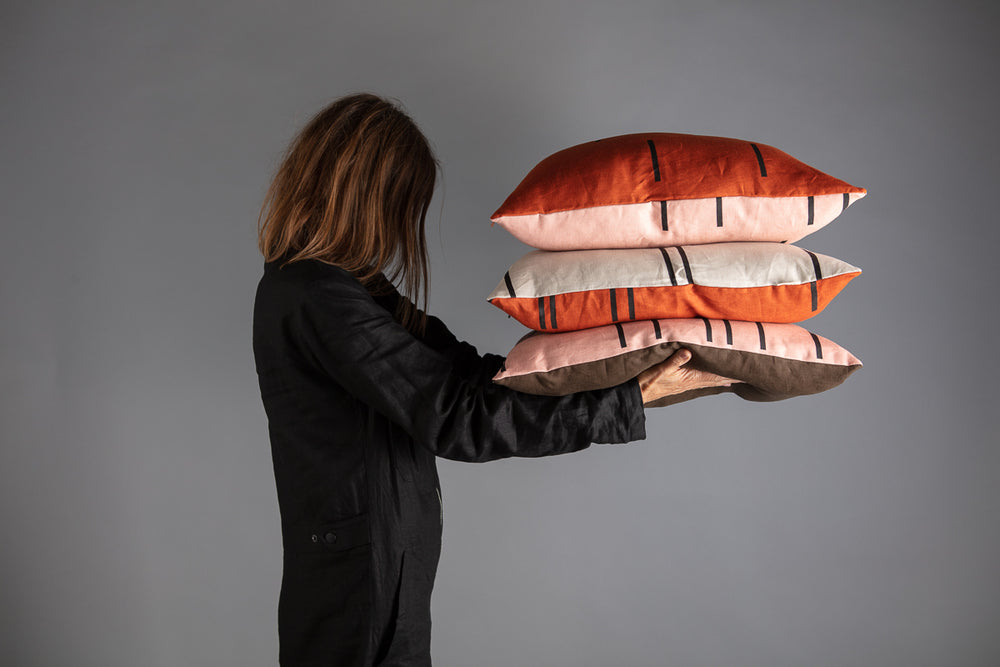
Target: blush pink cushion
(768, 361)
(666, 189)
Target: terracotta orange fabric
(593, 308)
(664, 166)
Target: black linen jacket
(358, 408)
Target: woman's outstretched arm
(358, 344)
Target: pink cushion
(769, 361)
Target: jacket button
(330, 538)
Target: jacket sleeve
(457, 414)
(464, 356)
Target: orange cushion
(580, 289)
(663, 189)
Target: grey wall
(137, 506)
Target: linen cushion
(580, 289)
(769, 361)
(666, 189)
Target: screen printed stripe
(510, 285)
(631, 304)
(663, 215)
(760, 334)
(670, 266)
(729, 332)
(656, 163)
(656, 329)
(819, 346)
(552, 310)
(541, 312)
(708, 329)
(687, 267)
(819, 276)
(760, 160)
(816, 267)
(718, 211)
(847, 201)
(614, 305)
(812, 210)
(621, 334)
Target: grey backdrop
(139, 519)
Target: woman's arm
(456, 414)
(464, 356)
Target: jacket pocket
(325, 606)
(326, 537)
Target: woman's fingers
(677, 359)
(670, 377)
(705, 379)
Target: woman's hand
(669, 377)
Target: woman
(363, 390)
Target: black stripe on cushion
(760, 160)
(670, 267)
(656, 163)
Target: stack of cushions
(651, 242)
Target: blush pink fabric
(544, 352)
(696, 221)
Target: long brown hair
(353, 190)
